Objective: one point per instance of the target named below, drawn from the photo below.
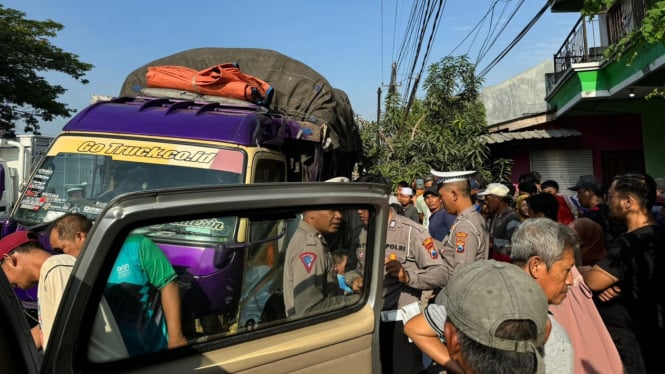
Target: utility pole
(378, 106)
(393, 79)
(392, 90)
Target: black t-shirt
(612, 228)
(636, 259)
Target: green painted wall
(618, 71)
(592, 81)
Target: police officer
(413, 264)
(468, 239)
(310, 281)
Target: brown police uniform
(409, 243)
(310, 282)
(467, 242)
(412, 245)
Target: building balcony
(591, 35)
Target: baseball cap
(451, 176)
(496, 189)
(587, 182)
(483, 294)
(473, 183)
(15, 239)
(431, 191)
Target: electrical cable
(481, 55)
(515, 41)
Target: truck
(155, 142)
(18, 154)
(155, 138)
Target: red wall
(600, 133)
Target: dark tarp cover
(300, 92)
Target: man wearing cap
(440, 221)
(26, 264)
(590, 195)
(75, 192)
(468, 239)
(503, 220)
(492, 319)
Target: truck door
(239, 332)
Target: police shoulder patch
(428, 243)
(460, 241)
(308, 259)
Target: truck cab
(146, 143)
(18, 155)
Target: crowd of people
(583, 270)
(498, 278)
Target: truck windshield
(82, 174)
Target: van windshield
(82, 174)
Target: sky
(352, 43)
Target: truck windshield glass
(82, 174)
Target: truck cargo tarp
(300, 92)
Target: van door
(234, 321)
(17, 350)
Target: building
(581, 112)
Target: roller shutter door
(564, 166)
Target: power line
(482, 20)
(481, 54)
(515, 41)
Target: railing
(581, 45)
(589, 38)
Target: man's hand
(357, 285)
(609, 293)
(394, 269)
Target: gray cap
(483, 294)
(431, 191)
(587, 182)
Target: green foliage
(653, 26)
(652, 29)
(25, 96)
(443, 131)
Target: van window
(235, 276)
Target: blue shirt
(440, 223)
